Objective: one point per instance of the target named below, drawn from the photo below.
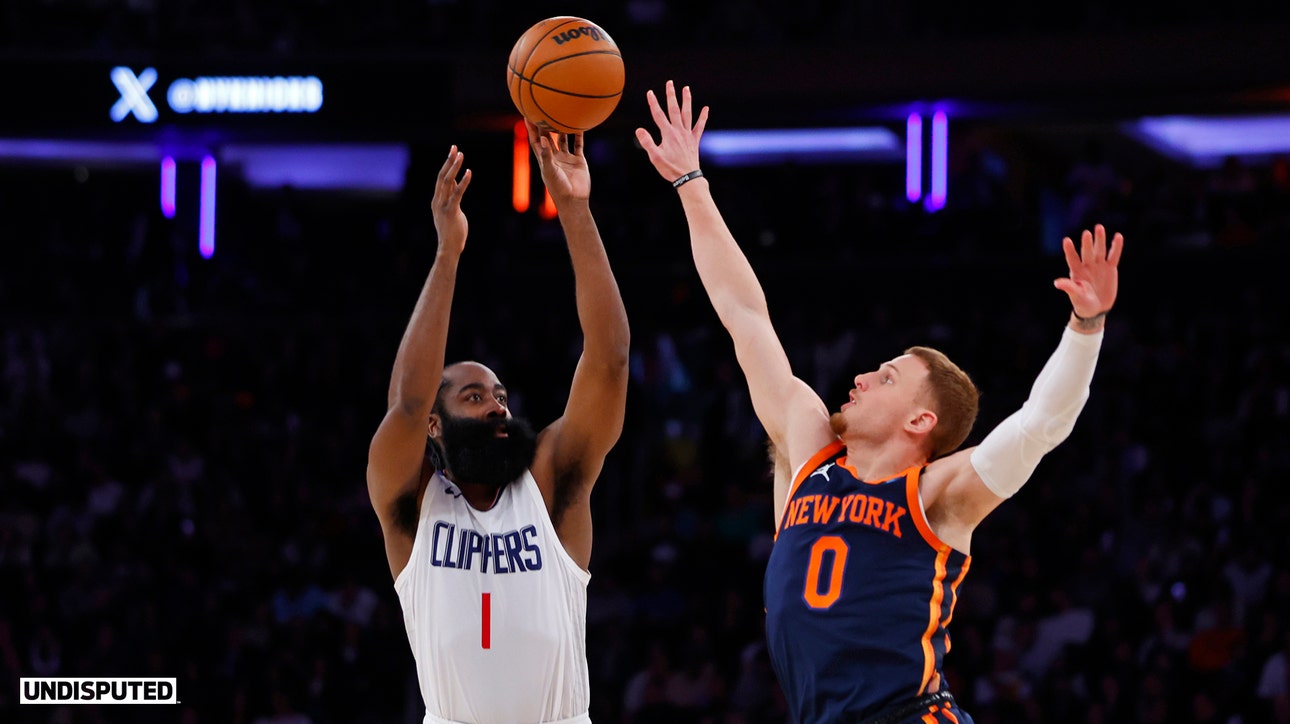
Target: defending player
(876, 521)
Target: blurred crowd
(183, 441)
(287, 27)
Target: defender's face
(882, 399)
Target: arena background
(183, 439)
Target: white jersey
(496, 610)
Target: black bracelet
(696, 173)
(1088, 319)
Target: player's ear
(434, 427)
(922, 422)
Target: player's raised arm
(574, 447)
(980, 478)
(397, 450)
(792, 413)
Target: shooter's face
(482, 442)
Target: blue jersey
(859, 592)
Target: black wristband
(696, 173)
(1088, 319)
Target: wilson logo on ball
(576, 33)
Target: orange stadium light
(520, 168)
(547, 210)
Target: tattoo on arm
(1090, 324)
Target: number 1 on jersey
(486, 631)
(811, 593)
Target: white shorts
(580, 719)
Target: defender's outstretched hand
(1094, 272)
(677, 152)
(449, 220)
(564, 167)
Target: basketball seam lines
(530, 56)
(567, 57)
(561, 90)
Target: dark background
(183, 441)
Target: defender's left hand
(1094, 272)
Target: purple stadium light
(914, 157)
(747, 147)
(1205, 142)
(377, 167)
(46, 149)
(206, 230)
(940, 148)
(168, 187)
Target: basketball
(565, 74)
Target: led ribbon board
(214, 94)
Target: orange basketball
(565, 74)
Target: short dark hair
(953, 397)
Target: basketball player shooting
(487, 525)
(875, 522)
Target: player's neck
(478, 495)
(875, 461)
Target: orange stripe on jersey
(915, 501)
(842, 463)
(954, 594)
(954, 599)
(809, 467)
(950, 715)
(930, 717)
(933, 619)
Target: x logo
(134, 94)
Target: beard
(837, 423)
(475, 454)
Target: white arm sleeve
(1007, 456)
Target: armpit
(568, 485)
(406, 513)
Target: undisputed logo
(98, 690)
